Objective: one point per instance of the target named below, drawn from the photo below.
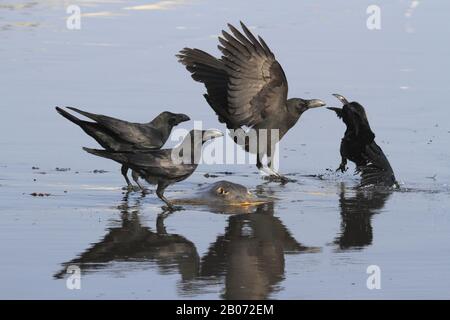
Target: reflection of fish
(250, 255)
(356, 215)
(133, 242)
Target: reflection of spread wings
(251, 254)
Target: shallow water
(318, 237)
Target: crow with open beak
(358, 145)
(247, 88)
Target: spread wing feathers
(378, 171)
(257, 85)
(211, 72)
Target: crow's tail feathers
(116, 156)
(89, 115)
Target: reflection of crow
(250, 255)
(133, 242)
(356, 213)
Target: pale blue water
(314, 242)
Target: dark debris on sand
(99, 171)
(40, 194)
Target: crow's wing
(100, 118)
(378, 170)
(212, 73)
(156, 163)
(105, 137)
(140, 135)
(257, 86)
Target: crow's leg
(124, 171)
(276, 176)
(135, 176)
(273, 175)
(160, 193)
(261, 167)
(259, 164)
(343, 165)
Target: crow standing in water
(164, 167)
(247, 88)
(118, 135)
(359, 146)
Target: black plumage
(119, 135)
(247, 88)
(358, 145)
(164, 167)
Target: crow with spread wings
(247, 88)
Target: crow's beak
(339, 111)
(315, 103)
(182, 118)
(334, 109)
(211, 134)
(341, 98)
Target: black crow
(358, 145)
(119, 135)
(247, 88)
(164, 167)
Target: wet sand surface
(320, 234)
